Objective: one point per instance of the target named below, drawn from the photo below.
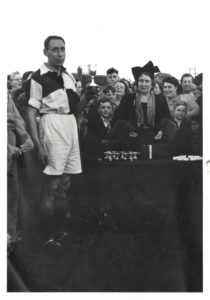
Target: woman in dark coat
(142, 112)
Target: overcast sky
(119, 34)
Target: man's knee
(65, 182)
(53, 184)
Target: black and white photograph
(105, 164)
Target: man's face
(56, 53)
(105, 109)
(112, 78)
(195, 126)
(187, 83)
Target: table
(156, 193)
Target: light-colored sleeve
(193, 108)
(35, 94)
(20, 127)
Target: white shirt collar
(105, 121)
(44, 69)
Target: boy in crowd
(176, 131)
(99, 129)
(112, 76)
(109, 92)
(196, 136)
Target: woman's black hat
(148, 68)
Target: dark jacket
(96, 134)
(127, 110)
(97, 129)
(177, 140)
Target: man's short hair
(104, 100)
(108, 88)
(111, 71)
(52, 37)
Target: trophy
(92, 73)
(130, 156)
(92, 89)
(117, 154)
(123, 155)
(108, 155)
(113, 154)
(135, 155)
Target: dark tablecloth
(155, 193)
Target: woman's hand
(14, 151)
(27, 146)
(159, 135)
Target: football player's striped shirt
(53, 93)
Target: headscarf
(150, 110)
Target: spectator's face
(187, 83)
(110, 95)
(180, 112)
(79, 87)
(105, 109)
(112, 78)
(195, 126)
(16, 82)
(120, 89)
(157, 89)
(170, 90)
(56, 53)
(196, 92)
(145, 84)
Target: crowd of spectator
(127, 116)
(152, 110)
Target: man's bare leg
(50, 192)
(62, 201)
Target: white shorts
(59, 137)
